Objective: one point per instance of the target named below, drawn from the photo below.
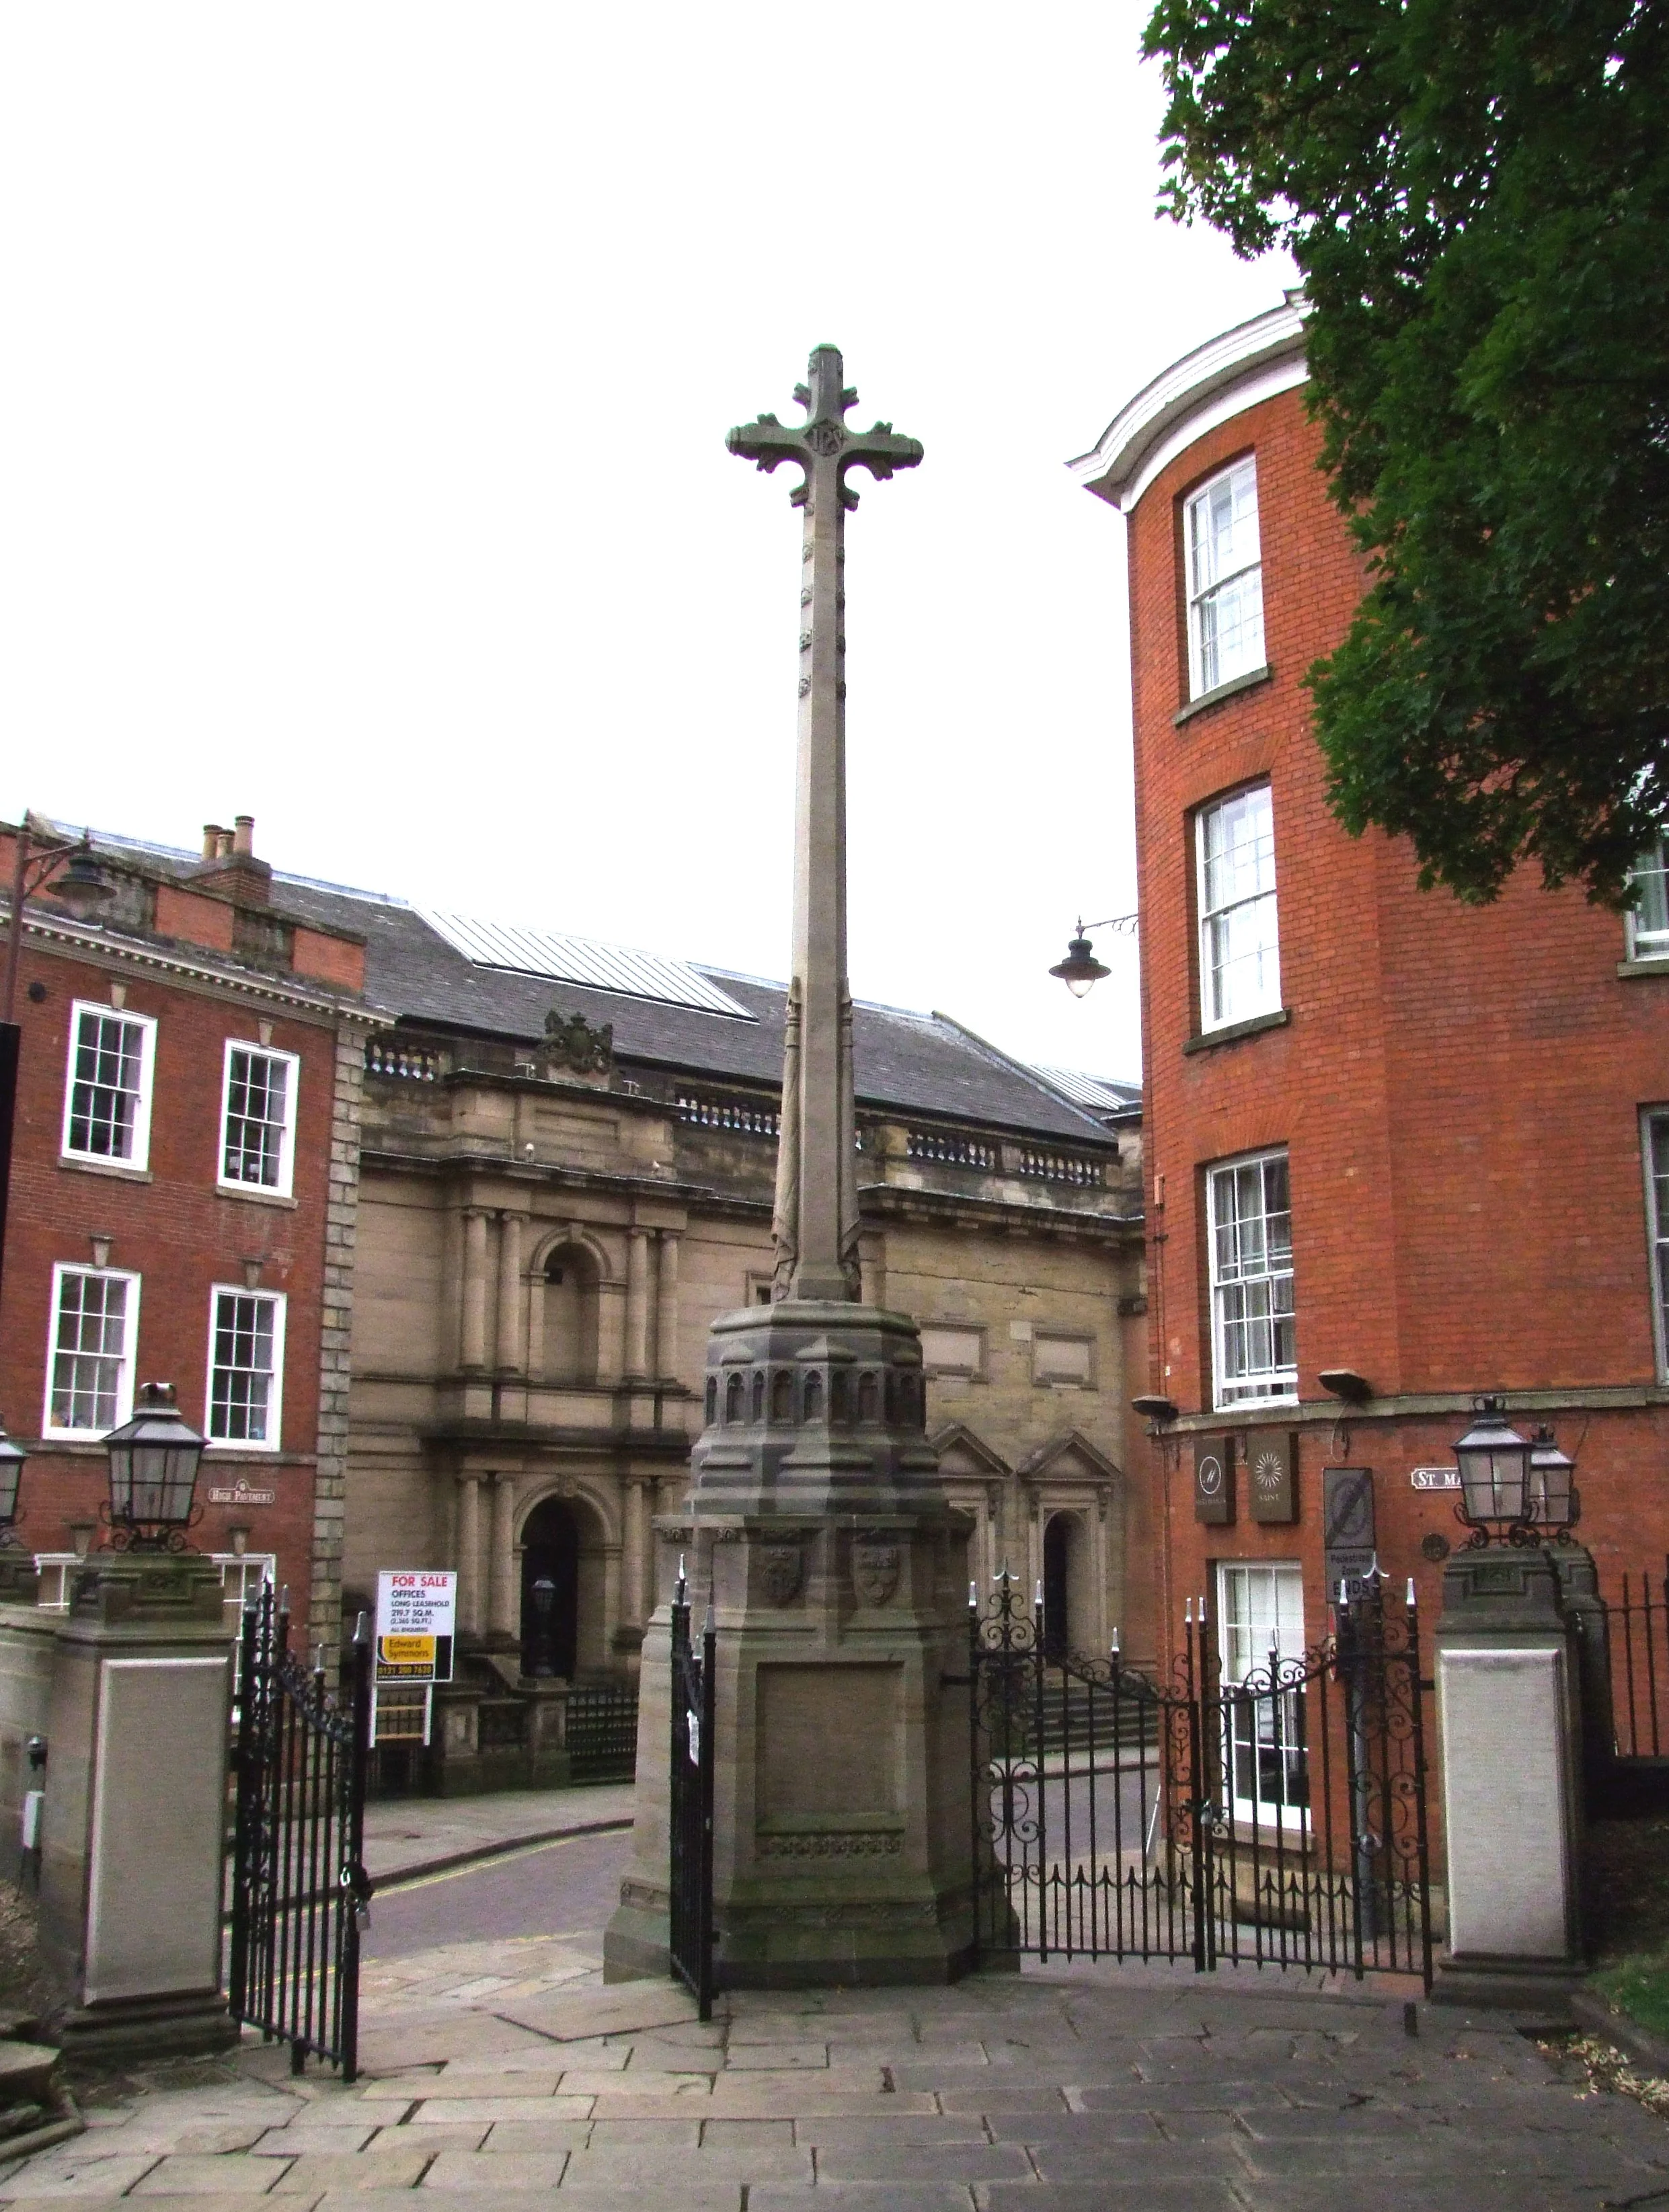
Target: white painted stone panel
(154, 1879)
(1504, 1785)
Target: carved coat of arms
(780, 1568)
(574, 1043)
(874, 1570)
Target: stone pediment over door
(965, 1456)
(1070, 1457)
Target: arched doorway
(1057, 1585)
(549, 1619)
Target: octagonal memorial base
(817, 1530)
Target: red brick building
(181, 1203)
(1388, 1136)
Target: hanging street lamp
(82, 887)
(1081, 970)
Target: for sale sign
(417, 1617)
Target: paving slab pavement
(407, 1836)
(504, 2075)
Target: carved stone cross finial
(824, 437)
(815, 1226)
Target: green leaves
(1478, 194)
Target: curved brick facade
(1460, 1091)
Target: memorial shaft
(815, 1224)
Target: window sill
(1253, 1408)
(1236, 684)
(222, 1449)
(119, 1169)
(255, 1194)
(1232, 1032)
(1656, 964)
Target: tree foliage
(1477, 192)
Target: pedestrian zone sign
(417, 1615)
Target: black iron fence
(1634, 1647)
(691, 1807)
(300, 1891)
(602, 1731)
(1276, 1818)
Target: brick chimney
(230, 866)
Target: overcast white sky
(363, 399)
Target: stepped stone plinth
(838, 1575)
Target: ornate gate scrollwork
(1279, 1819)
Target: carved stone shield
(781, 1568)
(874, 1571)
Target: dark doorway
(1057, 1543)
(549, 1621)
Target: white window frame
(1207, 590)
(139, 1158)
(1651, 944)
(284, 1185)
(1277, 1722)
(54, 1595)
(1217, 1012)
(272, 1441)
(1274, 1385)
(1654, 1124)
(62, 1269)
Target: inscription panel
(1504, 1792)
(154, 1881)
(829, 1739)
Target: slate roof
(909, 1063)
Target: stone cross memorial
(816, 1524)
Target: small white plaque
(1060, 1358)
(950, 1350)
(1434, 1477)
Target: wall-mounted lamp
(1160, 1411)
(1345, 1382)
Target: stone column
(509, 1294)
(636, 1520)
(666, 1308)
(469, 1554)
(611, 1596)
(637, 1305)
(501, 1619)
(535, 1288)
(475, 1288)
(1098, 1531)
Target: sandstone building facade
(565, 1175)
(1388, 1137)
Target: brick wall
(180, 1235)
(1458, 1089)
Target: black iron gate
(691, 1807)
(299, 1888)
(1278, 1819)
